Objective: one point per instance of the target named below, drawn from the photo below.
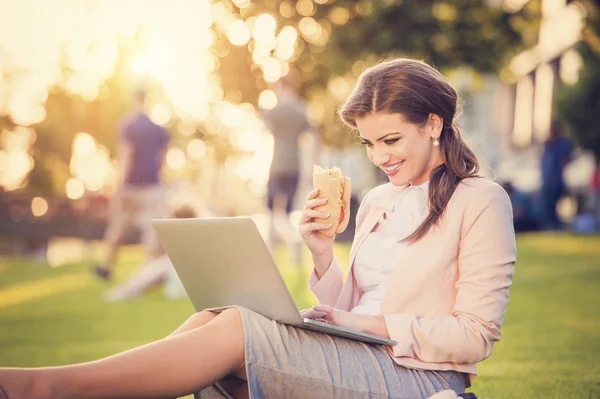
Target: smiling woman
(426, 270)
(404, 110)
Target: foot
(118, 295)
(102, 272)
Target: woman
(431, 265)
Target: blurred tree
(578, 105)
(351, 35)
(67, 114)
(336, 40)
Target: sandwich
(336, 188)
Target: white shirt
(375, 257)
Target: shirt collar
(387, 199)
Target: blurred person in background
(156, 271)
(524, 215)
(140, 196)
(558, 152)
(286, 122)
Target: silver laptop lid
(223, 262)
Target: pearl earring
(436, 143)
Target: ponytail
(460, 163)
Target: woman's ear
(435, 124)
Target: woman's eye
(391, 141)
(366, 143)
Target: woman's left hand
(335, 316)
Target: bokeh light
(176, 158)
(267, 100)
(39, 206)
(196, 149)
(84, 145)
(238, 33)
(264, 29)
(15, 161)
(339, 16)
(286, 42)
(160, 114)
(75, 188)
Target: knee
(229, 323)
(232, 315)
(232, 320)
(199, 319)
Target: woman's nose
(380, 157)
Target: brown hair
(184, 212)
(416, 90)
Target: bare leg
(175, 366)
(113, 248)
(196, 320)
(236, 384)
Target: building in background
(533, 77)
(507, 118)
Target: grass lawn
(550, 348)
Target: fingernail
(330, 224)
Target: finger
(313, 194)
(308, 228)
(313, 314)
(325, 321)
(309, 214)
(313, 203)
(323, 308)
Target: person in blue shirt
(140, 196)
(558, 152)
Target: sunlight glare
(267, 100)
(83, 144)
(176, 158)
(196, 149)
(264, 29)
(75, 188)
(238, 33)
(39, 206)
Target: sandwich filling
(336, 172)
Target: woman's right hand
(318, 244)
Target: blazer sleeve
(328, 288)
(486, 258)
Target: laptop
(224, 261)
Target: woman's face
(403, 150)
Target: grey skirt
(288, 362)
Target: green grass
(551, 331)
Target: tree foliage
(446, 34)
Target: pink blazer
(448, 292)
